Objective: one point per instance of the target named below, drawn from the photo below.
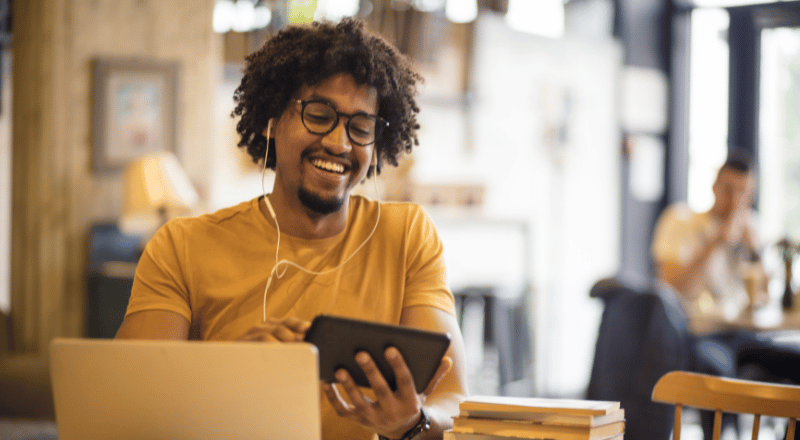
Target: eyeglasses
(321, 118)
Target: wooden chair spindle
(717, 424)
(728, 395)
(756, 426)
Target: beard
(318, 204)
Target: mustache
(322, 151)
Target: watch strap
(422, 426)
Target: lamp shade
(155, 185)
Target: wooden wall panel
(39, 214)
(56, 194)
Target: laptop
(107, 389)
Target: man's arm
(678, 275)
(736, 229)
(154, 324)
(442, 404)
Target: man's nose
(337, 140)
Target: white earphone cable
(276, 271)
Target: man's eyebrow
(317, 97)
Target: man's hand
(392, 414)
(276, 330)
(732, 228)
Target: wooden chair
(721, 394)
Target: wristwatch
(417, 431)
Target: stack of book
(526, 418)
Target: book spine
(450, 435)
(528, 430)
(546, 418)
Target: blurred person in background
(713, 258)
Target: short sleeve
(426, 275)
(672, 236)
(160, 282)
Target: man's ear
(374, 169)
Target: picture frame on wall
(135, 110)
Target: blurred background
(553, 133)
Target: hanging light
(245, 16)
(336, 9)
(540, 17)
(224, 11)
(241, 16)
(262, 15)
(428, 5)
(461, 11)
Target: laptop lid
(172, 390)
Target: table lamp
(156, 188)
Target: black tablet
(339, 339)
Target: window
(744, 91)
(779, 133)
(708, 103)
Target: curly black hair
(305, 55)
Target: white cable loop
(276, 271)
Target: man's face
(733, 191)
(320, 170)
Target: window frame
(744, 41)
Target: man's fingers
(405, 381)
(376, 380)
(275, 330)
(336, 400)
(357, 399)
(259, 333)
(297, 325)
(444, 367)
(286, 334)
(342, 408)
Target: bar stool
(492, 317)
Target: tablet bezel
(338, 339)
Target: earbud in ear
(270, 142)
(268, 130)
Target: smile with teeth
(328, 166)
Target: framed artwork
(135, 110)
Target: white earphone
(286, 263)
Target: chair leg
(790, 429)
(756, 426)
(717, 425)
(676, 431)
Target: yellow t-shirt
(718, 287)
(213, 270)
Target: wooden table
(770, 318)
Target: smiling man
(325, 106)
(324, 146)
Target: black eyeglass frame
(380, 123)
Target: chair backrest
(638, 342)
(726, 395)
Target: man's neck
(297, 220)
